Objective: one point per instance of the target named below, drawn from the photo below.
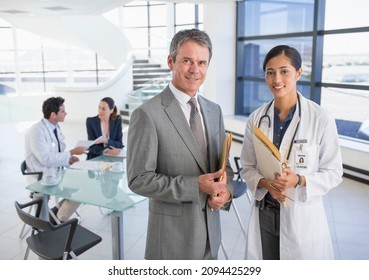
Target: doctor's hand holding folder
(268, 158)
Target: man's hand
(73, 160)
(217, 202)
(207, 183)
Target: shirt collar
(49, 124)
(180, 95)
(289, 116)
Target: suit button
(203, 209)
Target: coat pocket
(165, 208)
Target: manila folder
(267, 163)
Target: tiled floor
(347, 209)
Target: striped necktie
(197, 130)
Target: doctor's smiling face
(282, 67)
(281, 76)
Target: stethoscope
(284, 165)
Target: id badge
(301, 160)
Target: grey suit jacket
(163, 163)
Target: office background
(84, 51)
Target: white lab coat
(41, 148)
(304, 232)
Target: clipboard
(225, 153)
(267, 155)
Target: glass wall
(334, 48)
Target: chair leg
(78, 216)
(27, 253)
(73, 255)
(52, 214)
(223, 249)
(239, 220)
(24, 233)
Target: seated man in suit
(174, 144)
(108, 126)
(45, 148)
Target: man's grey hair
(194, 35)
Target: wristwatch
(299, 181)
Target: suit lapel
(98, 125)
(172, 110)
(209, 117)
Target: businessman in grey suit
(166, 163)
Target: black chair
(23, 168)
(55, 242)
(238, 168)
(52, 214)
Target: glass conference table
(103, 188)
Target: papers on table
(267, 155)
(225, 153)
(88, 143)
(91, 165)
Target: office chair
(55, 242)
(239, 188)
(24, 171)
(23, 168)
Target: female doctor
(288, 219)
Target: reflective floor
(347, 209)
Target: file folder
(267, 155)
(225, 153)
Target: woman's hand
(112, 151)
(287, 180)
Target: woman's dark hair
(111, 105)
(292, 54)
(50, 105)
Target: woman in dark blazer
(107, 125)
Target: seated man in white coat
(45, 148)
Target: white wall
(220, 24)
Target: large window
(187, 16)
(330, 37)
(149, 25)
(31, 64)
(145, 24)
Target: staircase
(144, 72)
(149, 79)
